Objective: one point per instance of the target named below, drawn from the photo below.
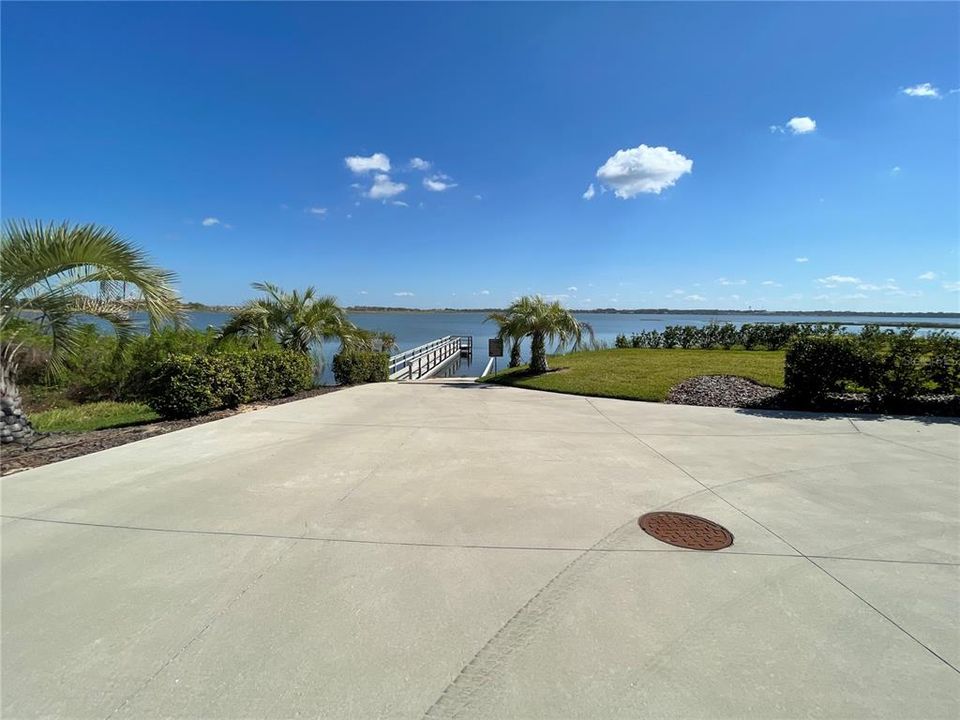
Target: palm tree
(542, 321)
(509, 331)
(296, 320)
(382, 341)
(55, 274)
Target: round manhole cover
(686, 531)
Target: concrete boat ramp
(445, 549)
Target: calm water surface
(417, 328)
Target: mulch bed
(738, 392)
(52, 447)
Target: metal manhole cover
(686, 531)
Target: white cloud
(834, 280)
(589, 193)
(399, 203)
(922, 90)
(821, 297)
(796, 126)
(317, 210)
(404, 293)
(895, 170)
(383, 187)
(678, 291)
(694, 297)
(801, 125)
(210, 222)
(363, 292)
(438, 183)
(359, 164)
(771, 283)
(484, 292)
(855, 296)
(419, 164)
(478, 197)
(572, 288)
(643, 169)
(952, 286)
(929, 275)
(868, 286)
(801, 259)
(725, 281)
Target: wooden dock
(425, 361)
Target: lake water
(416, 328)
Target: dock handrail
(427, 359)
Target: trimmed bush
(354, 367)
(893, 368)
(815, 366)
(184, 386)
(750, 336)
(280, 373)
(943, 366)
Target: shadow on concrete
(847, 415)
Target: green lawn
(92, 416)
(643, 374)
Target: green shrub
(145, 353)
(943, 366)
(815, 366)
(360, 366)
(671, 336)
(279, 373)
(892, 367)
(688, 336)
(621, 341)
(184, 386)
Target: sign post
(495, 350)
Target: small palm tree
(509, 331)
(55, 275)
(382, 341)
(299, 321)
(532, 316)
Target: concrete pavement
(445, 549)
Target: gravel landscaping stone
(738, 392)
(722, 391)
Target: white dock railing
(428, 359)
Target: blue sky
(765, 155)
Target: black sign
(495, 347)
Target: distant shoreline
(200, 307)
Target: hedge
(184, 386)
(891, 367)
(815, 366)
(750, 336)
(354, 367)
